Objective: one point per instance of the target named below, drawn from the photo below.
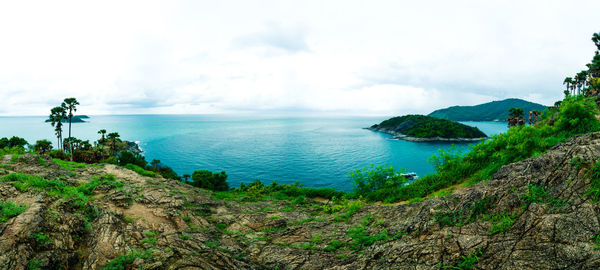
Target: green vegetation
(13, 142)
(468, 262)
(501, 223)
(9, 209)
(594, 189)
(362, 238)
(209, 180)
(421, 126)
(372, 178)
(491, 111)
(123, 262)
(576, 115)
(139, 170)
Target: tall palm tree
(70, 104)
(568, 81)
(112, 138)
(57, 115)
(102, 132)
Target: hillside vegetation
(491, 111)
(421, 126)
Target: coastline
(400, 136)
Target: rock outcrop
(534, 214)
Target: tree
(515, 112)
(209, 180)
(70, 105)
(568, 81)
(42, 146)
(155, 163)
(186, 177)
(102, 139)
(57, 115)
(113, 137)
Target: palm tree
(568, 81)
(57, 115)
(70, 104)
(113, 137)
(102, 132)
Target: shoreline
(400, 136)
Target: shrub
(42, 146)
(58, 154)
(126, 157)
(372, 178)
(13, 142)
(209, 180)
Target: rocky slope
(535, 214)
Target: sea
(314, 151)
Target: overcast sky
(334, 57)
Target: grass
(470, 213)
(139, 170)
(69, 165)
(9, 209)
(501, 223)
(467, 262)
(345, 207)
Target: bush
(87, 156)
(209, 180)
(42, 146)
(373, 178)
(58, 154)
(127, 157)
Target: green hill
(491, 111)
(427, 128)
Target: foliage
(69, 165)
(491, 111)
(139, 170)
(594, 190)
(126, 157)
(468, 262)
(123, 262)
(575, 116)
(538, 194)
(501, 223)
(515, 112)
(422, 126)
(12, 142)
(373, 177)
(209, 180)
(362, 238)
(9, 209)
(346, 207)
(42, 146)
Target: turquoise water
(317, 152)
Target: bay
(315, 151)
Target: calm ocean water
(316, 151)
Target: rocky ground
(535, 214)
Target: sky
(288, 57)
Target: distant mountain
(491, 111)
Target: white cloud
(380, 57)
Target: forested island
(491, 111)
(427, 128)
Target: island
(491, 111)
(76, 119)
(421, 128)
